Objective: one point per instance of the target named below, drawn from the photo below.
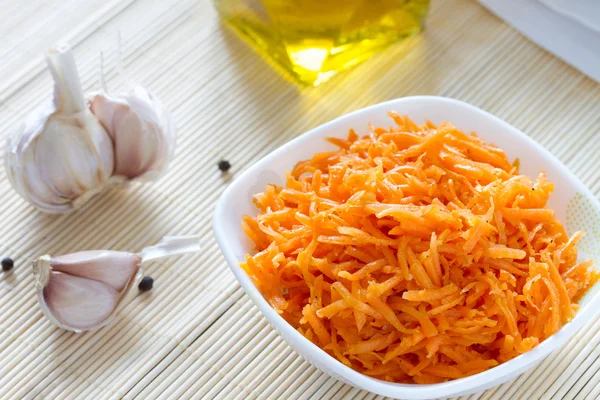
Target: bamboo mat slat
(196, 335)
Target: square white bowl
(574, 205)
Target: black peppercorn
(146, 283)
(224, 165)
(7, 264)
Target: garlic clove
(114, 268)
(142, 130)
(84, 291)
(72, 108)
(62, 155)
(67, 169)
(79, 303)
(25, 178)
(136, 144)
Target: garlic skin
(142, 130)
(85, 290)
(61, 156)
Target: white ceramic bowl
(572, 202)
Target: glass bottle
(315, 39)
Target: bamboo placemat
(196, 334)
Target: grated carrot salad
(416, 254)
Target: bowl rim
(454, 387)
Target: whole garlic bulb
(61, 156)
(141, 129)
(83, 291)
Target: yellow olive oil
(315, 39)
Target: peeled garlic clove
(142, 130)
(79, 303)
(114, 268)
(84, 291)
(62, 155)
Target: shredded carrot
(416, 254)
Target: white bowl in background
(573, 203)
